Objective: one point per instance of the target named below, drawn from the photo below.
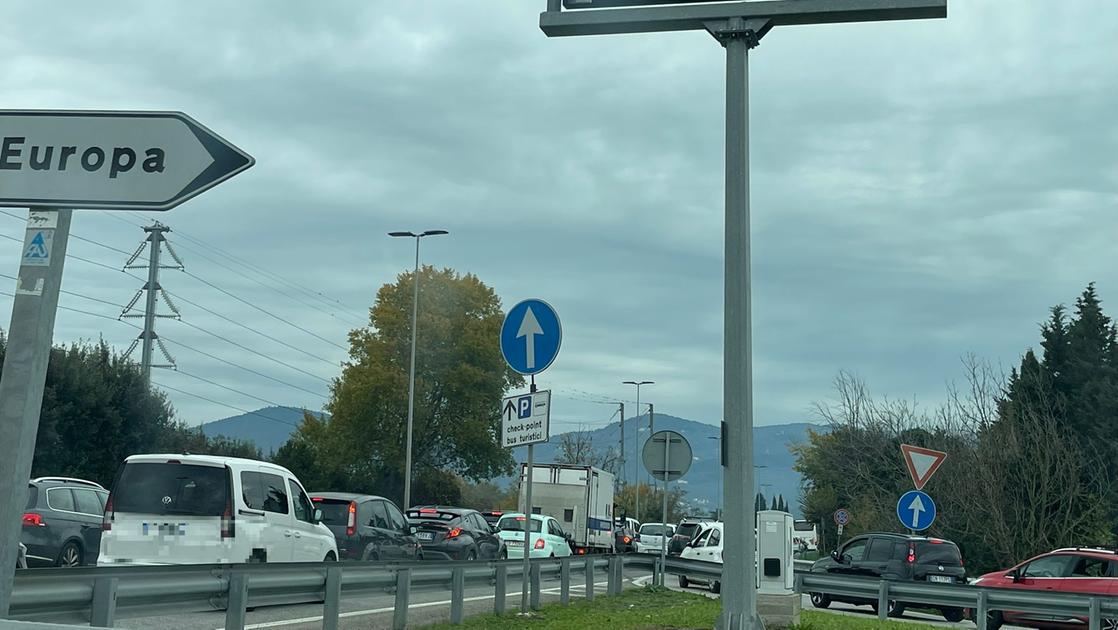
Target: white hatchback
(199, 509)
(652, 536)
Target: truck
(579, 497)
(805, 537)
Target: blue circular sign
(842, 516)
(916, 510)
(530, 336)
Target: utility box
(775, 569)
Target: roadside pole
(525, 601)
(664, 519)
(30, 336)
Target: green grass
(652, 608)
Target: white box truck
(579, 497)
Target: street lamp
(637, 446)
(411, 374)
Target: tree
(651, 500)
(577, 448)
(459, 382)
(759, 503)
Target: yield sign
(922, 463)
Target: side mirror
(317, 517)
(1014, 575)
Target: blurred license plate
(515, 543)
(425, 536)
(946, 579)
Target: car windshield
(160, 488)
(944, 553)
(334, 511)
(687, 529)
(516, 524)
(653, 530)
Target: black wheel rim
(70, 557)
(1110, 624)
(892, 608)
(816, 599)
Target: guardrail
(103, 594)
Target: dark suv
(687, 530)
(367, 527)
(62, 522)
(894, 557)
(450, 533)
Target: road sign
(671, 465)
(842, 517)
(916, 510)
(526, 419)
(110, 160)
(922, 463)
(530, 336)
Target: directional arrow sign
(530, 336)
(922, 463)
(916, 510)
(110, 160)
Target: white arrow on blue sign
(916, 510)
(530, 336)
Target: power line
(264, 310)
(259, 354)
(67, 308)
(221, 404)
(225, 387)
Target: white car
(707, 546)
(548, 538)
(652, 536)
(200, 509)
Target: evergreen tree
(773, 505)
(759, 503)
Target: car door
(488, 546)
(399, 544)
(1089, 574)
(64, 523)
(852, 555)
(878, 558)
(713, 547)
(309, 544)
(1047, 573)
(265, 523)
(90, 511)
(558, 539)
(696, 549)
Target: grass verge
(653, 608)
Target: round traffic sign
(530, 336)
(916, 510)
(667, 455)
(842, 516)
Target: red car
(1077, 570)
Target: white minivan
(200, 509)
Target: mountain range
(270, 427)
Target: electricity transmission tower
(154, 243)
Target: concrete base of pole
(779, 611)
(738, 622)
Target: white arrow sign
(529, 328)
(110, 160)
(917, 506)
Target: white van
(200, 509)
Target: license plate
(163, 529)
(515, 543)
(425, 536)
(946, 579)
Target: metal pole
(411, 378)
(637, 458)
(621, 405)
(651, 432)
(25, 373)
(739, 594)
(155, 236)
(664, 520)
(528, 471)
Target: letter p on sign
(524, 407)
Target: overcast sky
(920, 190)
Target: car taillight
(351, 524)
(228, 525)
(107, 521)
(33, 520)
(626, 540)
(912, 555)
(454, 533)
(581, 551)
(539, 544)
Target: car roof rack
(1095, 549)
(85, 482)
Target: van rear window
(157, 488)
(944, 553)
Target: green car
(548, 538)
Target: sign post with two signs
(915, 509)
(52, 162)
(530, 338)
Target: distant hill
(269, 427)
(770, 450)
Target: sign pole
(664, 519)
(25, 372)
(528, 472)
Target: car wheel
(70, 556)
(471, 555)
(716, 587)
(819, 600)
(1110, 624)
(330, 557)
(684, 582)
(504, 555)
(954, 615)
(994, 620)
(896, 609)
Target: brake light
(316, 499)
(581, 551)
(454, 533)
(911, 555)
(539, 544)
(351, 524)
(520, 518)
(33, 520)
(627, 540)
(107, 521)
(428, 511)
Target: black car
(624, 539)
(894, 557)
(62, 522)
(367, 527)
(450, 533)
(685, 532)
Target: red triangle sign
(922, 463)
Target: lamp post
(636, 448)
(411, 374)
